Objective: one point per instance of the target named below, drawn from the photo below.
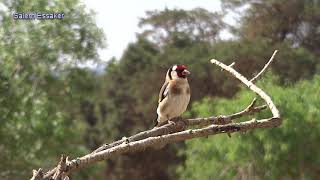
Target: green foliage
(197, 24)
(291, 64)
(294, 21)
(35, 128)
(287, 152)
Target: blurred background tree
(197, 24)
(40, 86)
(48, 101)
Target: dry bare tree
(181, 130)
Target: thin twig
(254, 79)
(61, 168)
(37, 174)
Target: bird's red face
(181, 70)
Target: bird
(174, 95)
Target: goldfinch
(174, 95)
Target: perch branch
(166, 139)
(171, 133)
(179, 126)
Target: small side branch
(251, 86)
(251, 109)
(61, 168)
(37, 174)
(254, 79)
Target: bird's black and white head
(178, 71)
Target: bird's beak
(185, 72)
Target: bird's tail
(155, 123)
(159, 122)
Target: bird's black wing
(163, 91)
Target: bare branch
(175, 132)
(254, 79)
(227, 119)
(169, 138)
(171, 128)
(178, 126)
(249, 84)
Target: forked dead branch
(181, 130)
